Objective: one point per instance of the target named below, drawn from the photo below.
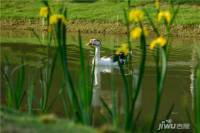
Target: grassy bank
(93, 13)
(13, 121)
(89, 27)
(103, 11)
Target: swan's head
(94, 43)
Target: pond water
(178, 86)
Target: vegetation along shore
(88, 18)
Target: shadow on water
(178, 83)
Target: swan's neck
(97, 54)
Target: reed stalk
(15, 91)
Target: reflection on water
(178, 87)
(96, 102)
(96, 88)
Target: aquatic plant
(137, 16)
(15, 89)
(80, 98)
(134, 20)
(47, 71)
(161, 52)
(46, 79)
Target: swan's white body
(103, 61)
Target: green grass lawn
(101, 11)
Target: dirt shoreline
(95, 27)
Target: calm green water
(178, 83)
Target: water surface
(178, 86)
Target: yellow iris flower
(161, 41)
(43, 11)
(164, 14)
(137, 32)
(136, 15)
(122, 49)
(55, 18)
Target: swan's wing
(108, 56)
(107, 62)
(106, 59)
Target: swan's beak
(89, 44)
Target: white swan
(104, 61)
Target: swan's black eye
(122, 55)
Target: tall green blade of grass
(157, 55)
(140, 78)
(46, 79)
(161, 70)
(60, 30)
(67, 107)
(20, 90)
(15, 90)
(84, 90)
(170, 112)
(126, 92)
(175, 13)
(131, 98)
(155, 29)
(9, 89)
(126, 96)
(105, 105)
(8, 85)
(160, 86)
(46, 74)
(51, 68)
(136, 119)
(130, 56)
(60, 36)
(70, 87)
